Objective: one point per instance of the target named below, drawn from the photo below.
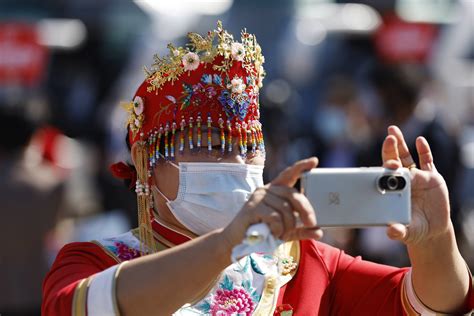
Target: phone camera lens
(392, 183)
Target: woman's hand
(278, 205)
(430, 199)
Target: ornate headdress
(212, 82)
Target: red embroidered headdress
(213, 81)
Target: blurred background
(338, 73)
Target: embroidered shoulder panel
(122, 247)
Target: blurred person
(340, 129)
(340, 126)
(400, 89)
(30, 194)
(198, 157)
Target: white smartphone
(358, 197)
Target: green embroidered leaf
(268, 257)
(255, 266)
(255, 296)
(204, 306)
(243, 268)
(227, 283)
(247, 285)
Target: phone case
(352, 197)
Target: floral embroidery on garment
(238, 290)
(236, 301)
(124, 247)
(123, 252)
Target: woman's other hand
(429, 193)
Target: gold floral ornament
(136, 117)
(287, 265)
(203, 50)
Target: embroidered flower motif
(260, 77)
(138, 106)
(124, 252)
(206, 79)
(217, 79)
(136, 116)
(188, 92)
(210, 92)
(198, 88)
(190, 61)
(243, 102)
(232, 302)
(287, 265)
(176, 52)
(227, 103)
(234, 106)
(171, 98)
(137, 123)
(237, 51)
(237, 85)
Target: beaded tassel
(245, 138)
(199, 132)
(229, 137)
(167, 131)
(221, 127)
(173, 133)
(147, 244)
(209, 133)
(190, 133)
(151, 146)
(158, 142)
(241, 144)
(261, 143)
(254, 139)
(181, 135)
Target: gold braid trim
(143, 201)
(79, 301)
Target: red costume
(327, 281)
(216, 85)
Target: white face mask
(211, 194)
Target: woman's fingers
(302, 233)
(390, 155)
(273, 219)
(424, 154)
(298, 201)
(403, 151)
(397, 232)
(290, 175)
(283, 207)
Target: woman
(198, 151)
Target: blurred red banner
(400, 41)
(22, 58)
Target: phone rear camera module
(392, 183)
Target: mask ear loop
(155, 188)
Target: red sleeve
(329, 282)
(359, 287)
(74, 262)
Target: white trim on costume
(101, 300)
